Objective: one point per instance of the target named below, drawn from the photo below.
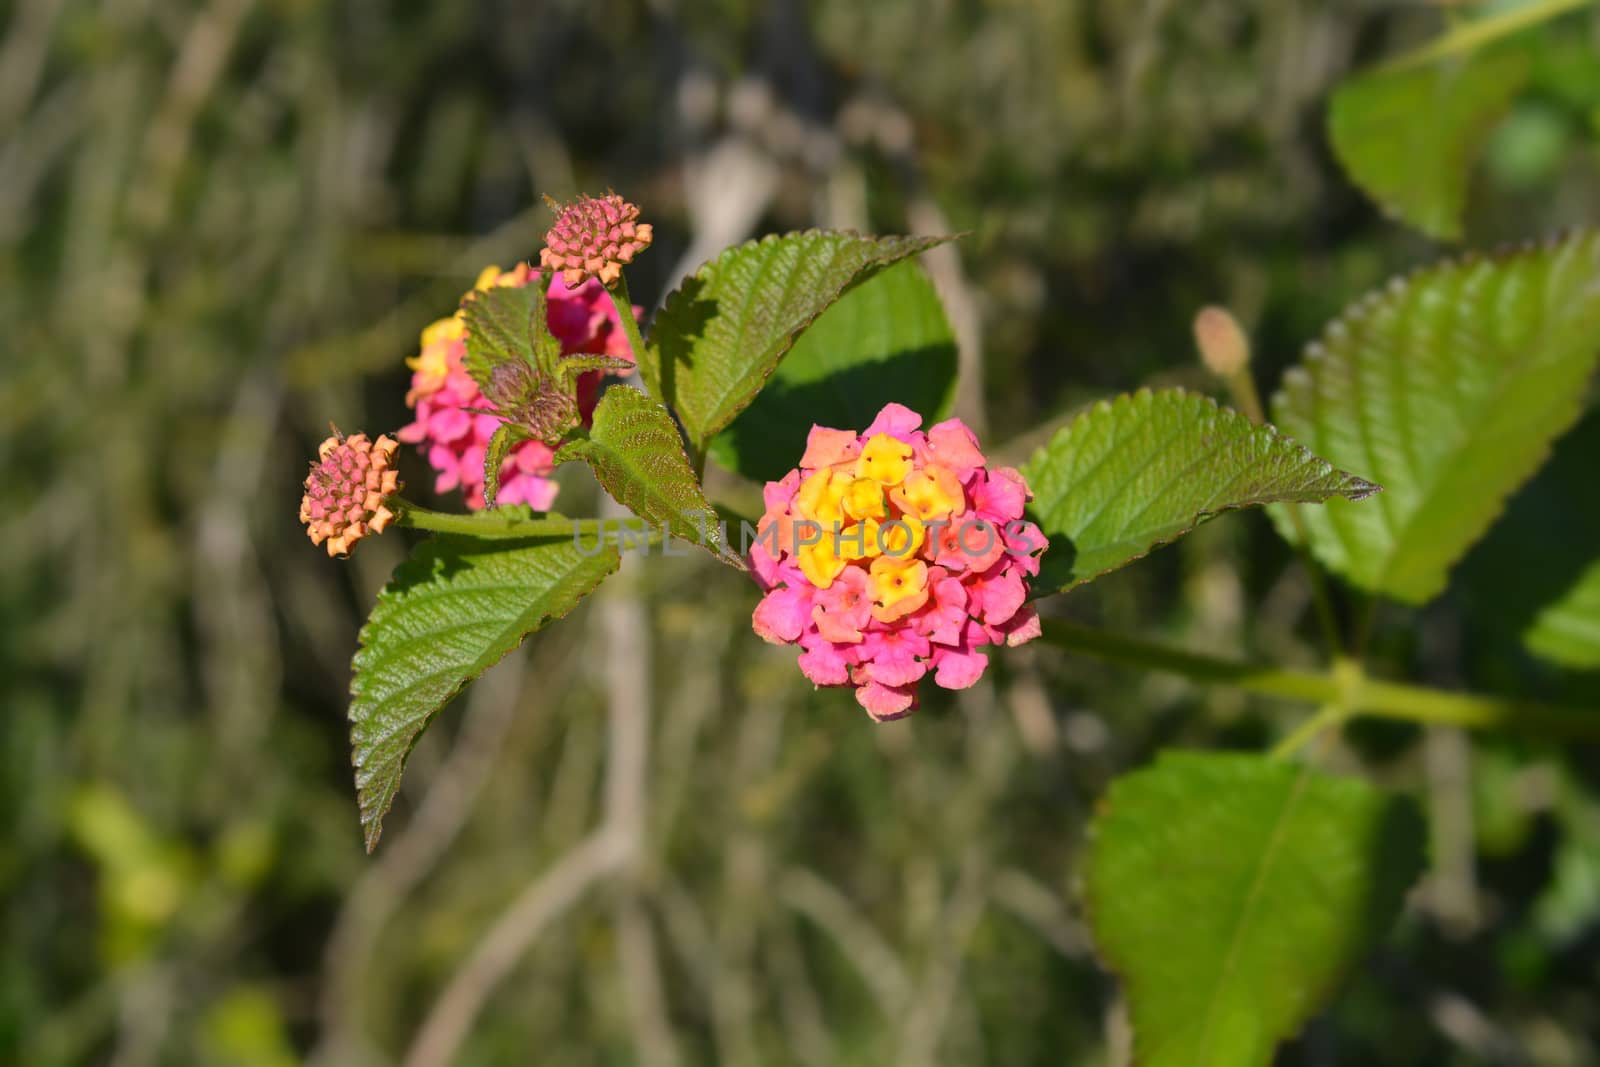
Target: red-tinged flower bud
(593, 237)
(348, 490)
(1224, 349)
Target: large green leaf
(887, 339)
(1231, 893)
(722, 332)
(1536, 575)
(448, 614)
(638, 457)
(1447, 387)
(1142, 470)
(1408, 136)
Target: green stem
(1469, 35)
(1346, 686)
(1242, 387)
(1326, 716)
(630, 325)
(494, 525)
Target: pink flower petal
(896, 420)
(996, 597)
(783, 615)
(825, 448)
(776, 495)
(958, 668)
(823, 662)
(449, 424)
(951, 444)
(844, 609)
(1000, 496)
(890, 657)
(884, 702)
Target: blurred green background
(223, 223)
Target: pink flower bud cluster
(454, 437)
(895, 553)
(593, 237)
(347, 491)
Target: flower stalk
(1346, 685)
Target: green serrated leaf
(505, 438)
(723, 331)
(1142, 470)
(1447, 387)
(887, 339)
(449, 613)
(1408, 137)
(638, 458)
(1231, 893)
(506, 323)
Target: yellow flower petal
(899, 586)
(930, 493)
(886, 460)
(863, 499)
(820, 562)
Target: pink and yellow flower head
(454, 437)
(348, 490)
(593, 237)
(895, 553)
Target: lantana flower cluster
(895, 553)
(593, 237)
(348, 490)
(452, 428)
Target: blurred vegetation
(221, 222)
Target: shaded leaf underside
(886, 339)
(723, 331)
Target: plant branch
(1468, 35)
(1328, 715)
(495, 525)
(1346, 686)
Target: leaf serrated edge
(1317, 352)
(1360, 488)
(372, 820)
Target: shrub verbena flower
(593, 237)
(450, 428)
(348, 490)
(894, 553)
